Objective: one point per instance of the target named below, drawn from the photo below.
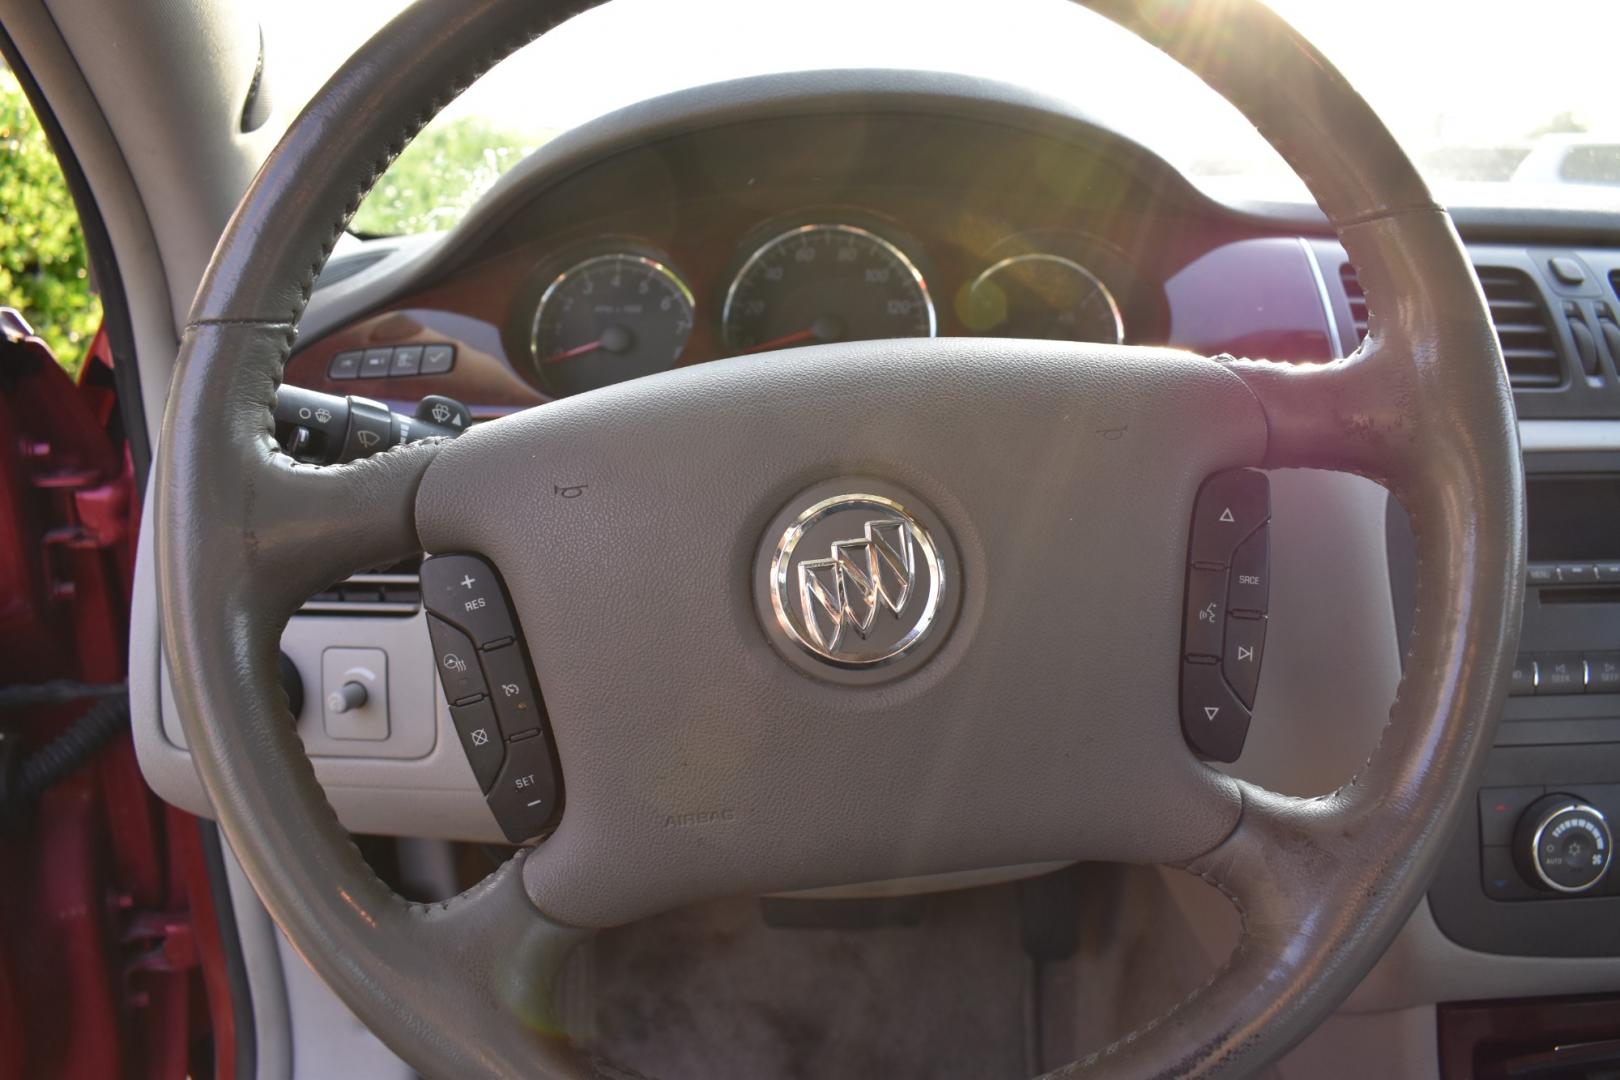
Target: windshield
(1500, 102)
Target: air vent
(1529, 343)
(1358, 299)
(369, 594)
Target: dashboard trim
(1335, 341)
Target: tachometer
(1042, 296)
(607, 319)
(822, 283)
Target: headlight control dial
(1563, 844)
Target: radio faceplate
(1560, 730)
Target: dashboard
(790, 211)
(766, 235)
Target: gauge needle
(807, 334)
(577, 350)
(615, 339)
(826, 328)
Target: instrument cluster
(618, 310)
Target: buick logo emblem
(856, 580)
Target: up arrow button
(1230, 507)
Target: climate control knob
(1563, 844)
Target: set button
(524, 797)
(396, 361)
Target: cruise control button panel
(1228, 593)
(495, 701)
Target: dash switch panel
(1224, 629)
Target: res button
(464, 590)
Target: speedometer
(822, 283)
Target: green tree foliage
(1565, 123)
(43, 269)
(431, 185)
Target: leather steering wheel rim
(465, 987)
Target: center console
(1528, 873)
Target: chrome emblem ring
(856, 580)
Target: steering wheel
(1054, 484)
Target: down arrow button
(1213, 720)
